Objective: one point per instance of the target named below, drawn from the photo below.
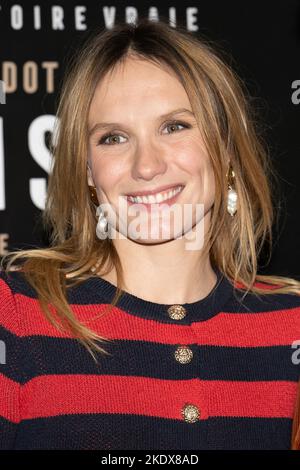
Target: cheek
(195, 161)
(206, 173)
(192, 156)
(201, 163)
(107, 174)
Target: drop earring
(102, 225)
(232, 194)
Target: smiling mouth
(159, 198)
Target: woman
(199, 350)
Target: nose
(148, 162)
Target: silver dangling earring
(232, 194)
(102, 225)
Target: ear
(89, 176)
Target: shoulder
(15, 282)
(13, 353)
(271, 300)
(18, 302)
(9, 317)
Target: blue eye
(168, 124)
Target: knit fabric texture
(222, 376)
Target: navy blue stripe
(46, 355)
(223, 298)
(7, 433)
(227, 433)
(18, 283)
(138, 432)
(12, 345)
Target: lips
(155, 191)
(159, 199)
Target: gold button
(177, 312)
(183, 354)
(191, 413)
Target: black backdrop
(36, 37)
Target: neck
(164, 272)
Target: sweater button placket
(190, 413)
(183, 354)
(176, 312)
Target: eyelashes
(170, 123)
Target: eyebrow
(105, 125)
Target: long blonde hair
(227, 123)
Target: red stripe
(280, 327)
(71, 394)
(7, 309)
(270, 399)
(9, 399)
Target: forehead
(137, 86)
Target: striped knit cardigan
(219, 373)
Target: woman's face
(147, 151)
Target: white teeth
(155, 198)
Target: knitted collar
(102, 290)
